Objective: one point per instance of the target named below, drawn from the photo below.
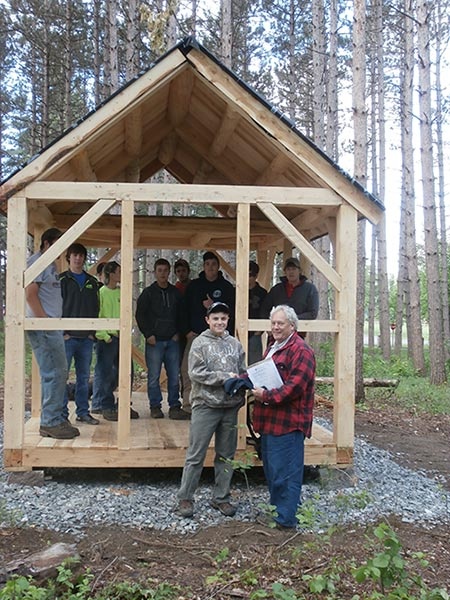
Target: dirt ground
(257, 556)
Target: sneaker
(134, 413)
(70, 426)
(96, 411)
(185, 509)
(178, 414)
(88, 419)
(110, 414)
(63, 431)
(156, 412)
(225, 508)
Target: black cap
(218, 307)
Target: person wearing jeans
(158, 319)
(106, 375)
(80, 299)
(283, 416)
(44, 299)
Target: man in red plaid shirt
(283, 416)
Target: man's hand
(258, 393)
(151, 341)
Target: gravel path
(71, 500)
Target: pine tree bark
(409, 256)
(440, 119)
(360, 172)
(436, 338)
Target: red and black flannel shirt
(290, 407)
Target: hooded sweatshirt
(219, 290)
(157, 312)
(211, 360)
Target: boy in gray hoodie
(215, 356)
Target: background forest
(366, 81)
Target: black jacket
(79, 302)
(158, 312)
(219, 290)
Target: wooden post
(126, 322)
(14, 402)
(344, 368)
(242, 254)
(35, 374)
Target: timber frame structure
(272, 190)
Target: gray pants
(205, 422)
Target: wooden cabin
(272, 190)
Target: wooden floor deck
(153, 443)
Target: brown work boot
(63, 431)
(225, 508)
(185, 509)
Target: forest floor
(197, 565)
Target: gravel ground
(70, 500)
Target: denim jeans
(167, 353)
(106, 374)
(80, 350)
(283, 458)
(206, 422)
(48, 348)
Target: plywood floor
(153, 443)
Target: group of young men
(187, 328)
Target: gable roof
(193, 117)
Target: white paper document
(265, 374)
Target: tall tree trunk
(360, 172)
(443, 247)
(132, 39)
(67, 63)
(97, 28)
(226, 32)
(409, 256)
(436, 340)
(383, 285)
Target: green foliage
(137, 591)
(70, 586)
(8, 517)
(390, 572)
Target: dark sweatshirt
(158, 312)
(219, 290)
(79, 301)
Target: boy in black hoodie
(209, 287)
(158, 319)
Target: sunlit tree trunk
(226, 32)
(436, 338)
(409, 256)
(440, 119)
(380, 229)
(360, 172)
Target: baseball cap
(292, 261)
(218, 307)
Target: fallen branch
(367, 381)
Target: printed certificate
(265, 374)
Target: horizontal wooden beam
(71, 324)
(169, 192)
(330, 326)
